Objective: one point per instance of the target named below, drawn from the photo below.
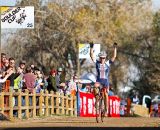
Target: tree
(60, 26)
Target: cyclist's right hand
(97, 84)
(91, 44)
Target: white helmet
(102, 54)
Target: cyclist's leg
(105, 91)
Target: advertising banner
(84, 50)
(17, 17)
(87, 105)
(114, 106)
(87, 102)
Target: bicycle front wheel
(97, 106)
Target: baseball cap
(22, 62)
(59, 69)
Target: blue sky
(7, 2)
(156, 3)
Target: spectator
(88, 88)
(12, 76)
(122, 109)
(83, 89)
(72, 86)
(155, 108)
(22, 65)
(135, 99)
(17, 84)
(52, 81)
(12, 63)
(6, 65)
(29, 80)
(59, 77)
(3, 59)
(62, 88)
(45, 82)
(39, 81)
(32, 68)
(111, 92)
(18, 81)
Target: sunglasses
(102, 57)
(12, 62)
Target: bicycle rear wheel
(103, 111)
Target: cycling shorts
(103, 82)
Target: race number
(17, 17)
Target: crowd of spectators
(31, 77)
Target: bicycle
(100, 104)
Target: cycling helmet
(102, 54)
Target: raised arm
(91, 52)
(6, 76)
(114, 52)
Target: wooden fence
(25, 105)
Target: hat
(52, 71)
(59, 69)
(22, 62)
(102, 54)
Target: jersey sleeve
(109, 62)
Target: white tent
(88, 78)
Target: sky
(156, 3)
(7, 2)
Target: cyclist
(102, 68)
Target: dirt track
(58, 121)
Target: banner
(87, 105)
(84, 50)
(17, 17)
(87, 108)
(114, 106)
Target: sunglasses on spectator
(11, 62)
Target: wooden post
(57, 103)
(19, 104)
(75, 106)
(27, 103)
(34, 103)
(46, 103)
(62, 99)
(10, 104)
(6, 89)
(67, 107)
(2, 102)
(128, 106)
(72, 105)
(52, 103)
(40, 103)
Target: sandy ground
(58, 121)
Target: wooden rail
(30, 105)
